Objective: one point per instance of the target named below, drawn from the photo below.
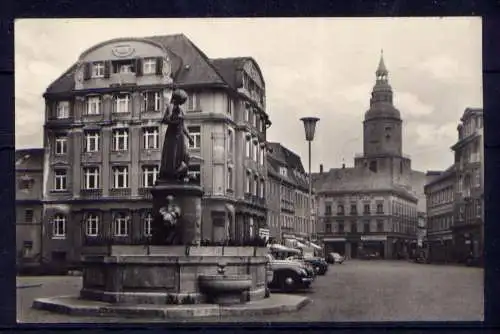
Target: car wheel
(288, 283)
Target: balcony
(122, 79)
(120, 156)
(474, 158)
(91, 157)
(150, 154)
(91, 193)
(59, 159)
(145, 193)
(121, 192)
(58, 123)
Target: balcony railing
(145, 192)
(114, 240)
(91, 193)
(120, 192)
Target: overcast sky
(311, 66)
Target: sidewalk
(72, 305)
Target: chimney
(321, 168)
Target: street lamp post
(310, 127)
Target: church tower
(383, 130)
(382, 127)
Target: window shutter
(159, 65)
(138, 67)
(84, 146)
(107, 69)
(151, 101)
(86, 71)
(144, 104)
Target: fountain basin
(225, 289)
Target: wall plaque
(122, 50)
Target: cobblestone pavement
(352, 291)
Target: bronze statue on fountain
(176, 202)
(175, 156)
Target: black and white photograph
(249, 170)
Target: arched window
(148, 222)
(120, 225)
(92, 225)
(59, 227)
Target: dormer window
(283, 171)
(149, 66)
(98, 69)
(124, 66)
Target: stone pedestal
(188, 198)
(171, 274)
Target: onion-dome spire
(381, 70)
(381, 99)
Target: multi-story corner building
(440, 193)
(288, 196)
(29, 176)
(468, 225)
(373, 206)
(103, 140)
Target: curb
(25, 286)
(73, 306)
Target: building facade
(29, 176)
(103, 139)
(373, 207)
(440, 194)
(468, 224)
(288, 196)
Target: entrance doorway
(375, 248)
(354, 250)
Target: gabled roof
(229, 68)
(449, 172)
(282, 156)
(200, 69)
(470, 111)
(190, 65)
(29, 159)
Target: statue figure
(171, 226)
(175, 157)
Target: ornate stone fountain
(174, 268)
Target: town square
(189, 170)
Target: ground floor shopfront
(468, 242)
(441, 248)
(377, 246)
(456, 246)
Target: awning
(290, 242)
(301, 245)
(281, 248)
(230, 208)
(314, 245)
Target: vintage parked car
(335, 258)
(318, 264)
(370, 255)
(289, 275)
